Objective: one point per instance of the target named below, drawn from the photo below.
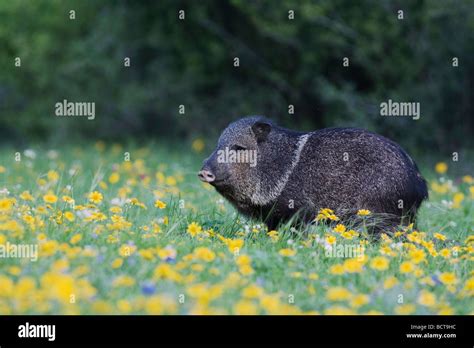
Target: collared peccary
(271, 173)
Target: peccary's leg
(271, 224)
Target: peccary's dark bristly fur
(344, 169)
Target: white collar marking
(262, 198)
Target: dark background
(282, 62)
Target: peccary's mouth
(220, 182)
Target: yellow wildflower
(441, 167)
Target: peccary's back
(349, 168)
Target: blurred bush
(282, 62)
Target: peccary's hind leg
(381, 223)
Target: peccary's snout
(208, 171)
(206, 175)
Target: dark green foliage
(282, 62)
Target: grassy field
(145, 236)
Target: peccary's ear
(261, 130)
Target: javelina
(271, 173)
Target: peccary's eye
(237, 147)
